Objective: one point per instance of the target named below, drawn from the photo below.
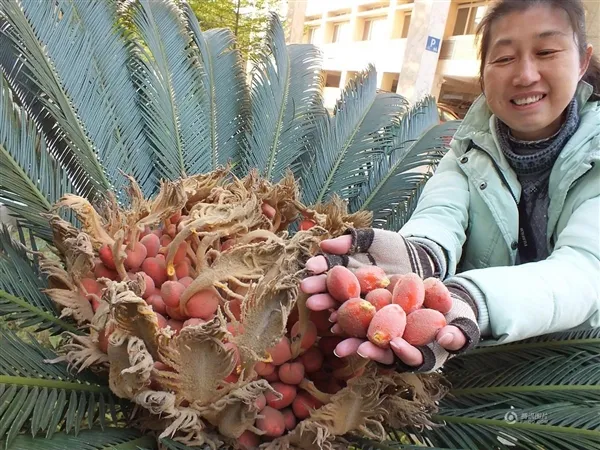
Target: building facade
(418, 47)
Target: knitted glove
(462, 315)
(386, 249)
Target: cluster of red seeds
(381, 308)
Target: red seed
(437, 295)
(409, 292)
(106, 256)
(152, 244)
(281, 352)
(304, 404)
(312, 359)
(354, 317)
(272, 422)
(287, 391)
(422, 326)
(371, 277)
(309, 338)
(202, 304)
(135, 257)
(342, 284)
(387, 324)
(291, 372)
(171, 293)
(379, 298)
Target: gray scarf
(532, 161)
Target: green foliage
(21, 284)
(44, 397)
(31, 180)
(285, 99)
(95, 439)
(247, 19)
(538, 392)
(350, 143)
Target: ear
(585, 62)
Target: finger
(371, 351)
(408, 354)
(333, 317)
(347, 347)
(320, 302)
(316, 264)
(451, 338)
(336, 329)
(338, 246)
(314, 285)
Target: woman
(511, 219)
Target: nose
(527, 73)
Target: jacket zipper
(496, 167)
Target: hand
(450, 339)
(370, 246)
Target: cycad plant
(116, 118)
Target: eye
(502, 60)
(547, 52)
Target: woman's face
(532, 70)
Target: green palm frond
(21, 284)
(531, 396)
(566, 343)
(397, 180)
(169, 74)
(30, 179)
(352, 141)
(285, 96)
(170, 444)
(227, 99)
(44, 397)
(117, 127)
(59, 61)
(366, 444)
(95, 439)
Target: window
(332, 79)
(374, 29)
(467, 19)
(405, 26)
(336, 33)
(340, 32)
(312, 35)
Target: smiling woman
(509, 221)
(532, 60)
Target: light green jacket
(467, 208)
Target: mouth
(529, 100)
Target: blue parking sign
(433, 44)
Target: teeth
(528, 100)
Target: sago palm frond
(227, 98)
(352, 141)
(95, 439)
(46, 397)
(285, 97)
(525, 393)
(82, 84)
(397, 179)
(169, 74)
(21, 284)
(365, 444)
(30, 178)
